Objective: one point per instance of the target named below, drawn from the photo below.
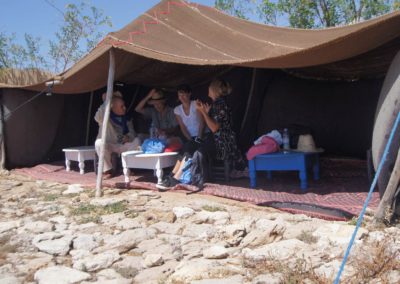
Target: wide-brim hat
(156, 97)
(306, 144)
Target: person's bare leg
(177, 167)
(178, 173)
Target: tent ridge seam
(195, 40)
(246, 35)
(124, 43)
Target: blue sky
(38, 18)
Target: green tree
(78, 33)
(240, 9)
(310, 13)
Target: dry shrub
(375, 260)
(6, 248)
(307, 237)
(299, 270)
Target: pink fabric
(268, 145)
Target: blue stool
(288, 161)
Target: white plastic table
(139, 160)
(80, 155)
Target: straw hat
(306, 144)
(157, 97)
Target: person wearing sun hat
(162, 116)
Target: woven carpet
(338, 195)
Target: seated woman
(190, 121)
(218, 118)
(120, 134)
(162, 116)
(191, 124)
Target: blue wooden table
(285, 161)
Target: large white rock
(85, 242)
(8, 184)
(128, 223)
(129, 266)
(201, 231)
(79, 254)
(258, 238)
(149, 246)
(104, 201)
(152, 260)
(73, 189)
(195, 269)
(9, 279)
(234, 233)
(98, 261)
(127, 239)
(7, 226)
(54, 246)
(110, 281)
(112, 219)
(236, 279)
(157, 274)
(46, 236)
(38, 227)
(269, 226)
(194, 249)
(215, 252)
(60, 275)
(338, 233)
(218, 217)
(280, 250)
(329, 270)
(168, 228)
(108, 274)
(183, 212)
(29, 261)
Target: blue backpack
(186, 177)
(153, 146)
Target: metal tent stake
(110, 83)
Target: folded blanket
(267, 145)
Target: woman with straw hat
(162, 116)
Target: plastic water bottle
(152, 131)
(285, 140)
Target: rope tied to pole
(360, 218)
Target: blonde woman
(218, 118)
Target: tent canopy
(180, 42)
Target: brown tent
(326, 80)
(176, 37)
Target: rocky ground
(55, 233)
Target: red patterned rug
(338, 195)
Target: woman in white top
(191, 123)
(188, 117)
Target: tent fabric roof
(10, 77)
(176, 38)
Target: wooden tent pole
(2, 138)
(253, 80)
(110, 84)
(388, 196)
(89, 117)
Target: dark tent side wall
(340, 115)
(38, 131)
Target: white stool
(139, 160)
(80, 155)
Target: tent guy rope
(360, 218)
